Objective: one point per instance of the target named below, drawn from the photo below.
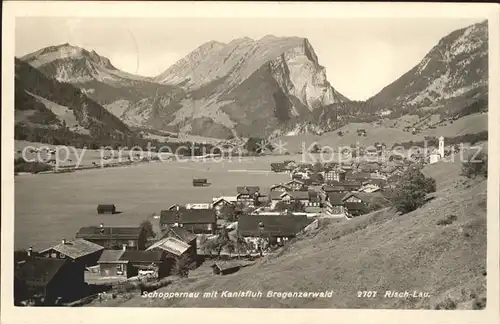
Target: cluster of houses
(263, 219)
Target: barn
(106, 209)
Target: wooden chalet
(106, 209)
(279, 187)
(200, 182)
(197, 221)
(276, 228)
(80, 251)
(221, 202)
(46, 280)
(334, 204)
(185, 236)
(133, 238)
(247, 195)
(295, 184)
(129, 263)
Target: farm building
(228, 267)
(334, 204)
(200, 182)
(334, 175)
(276, 229)
(80, 251)
(295, 184)
(106, 209)
(358, 176)
(129, 263)
(279, 187)
(134, 238)
(171, 250)
(197, 221)
(46, 280)
(247, 196)
(291, 196)
(355, 209)
(366, 199)
(219, 203)
(110, 264)
(184, 236)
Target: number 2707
(367, 293)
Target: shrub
(447, 220)
(475, 166)
(448, 304)
(479, 303)
(21, 165)
(410, 193)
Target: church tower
(441, 146)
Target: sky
(361, 55)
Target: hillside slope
(44, 104)
(136, 100)
(379, 251)
(451, 81)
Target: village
(220, 236)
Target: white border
(11, 10)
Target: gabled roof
(335, 198)
(181, 234)
(355, 206)
(275, 195)
(188, 216)
(248, 190)
(96, 232)
(273, 225)
(294, 181)
(296, 195)
(38, 271)
(221, 199)
(111, 256)
(366, 197)
(76, 248)
(225, 265)
(171, 245)
(280, 185)
(141, 256)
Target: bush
(475, 166)
(448, 304)
(447, 220)
(21, 165)
(479, 303)
(410, 193)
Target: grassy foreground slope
(380, 251)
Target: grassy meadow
(50, 207)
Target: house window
(119, 269)
(53, 255)
(131, 243)
(62, 256)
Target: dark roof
(279, 185)
(111, 256)
(335, 198)
(355, 206)
(345, 184)
(298, 195)
(247, 189)
(96, 232)
(294, 181)
(378, 182)
(276, 195)
(38, 271)
(141, 256)
(106, 206)
(274, 225)
(367, 197)
(188, 216)
(181, 234)
(76, 248)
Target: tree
(318, 167)
(339, 133)
(228, 212)
(241, 244)
(182, 266)
(315, 149)
(222, 241)
(477, 166)
(297, 206)
(410, 193)
(281, 206)
(147, 227)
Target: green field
(50, 207)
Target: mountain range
(255, 88)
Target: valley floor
(381, 251)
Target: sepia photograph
(251, 161)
